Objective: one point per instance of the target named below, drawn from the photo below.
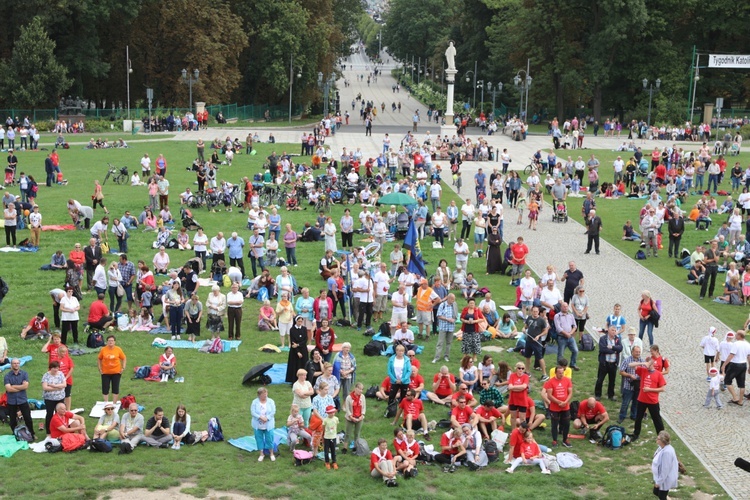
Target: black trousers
(560, 423)
(606, 369)
(593, 239)
(329, 448)
(653, 410)
(710, 275)
(465, 229)
(50, 405)
(397, 388)
(365, 312)
(346, 240)
(674, 245)
(25, 412)
(239, 263)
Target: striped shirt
(127, 271)
(447, 311)
(627, 383)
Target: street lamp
(651, 90)
(190, 80)
(497, 88)
(128, 70)
(480, 85)
(326, 86)
(523, 84)
(291, 83)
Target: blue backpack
(615, 437)
(142, 372)
(214, 430)
(262, 294)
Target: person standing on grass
(559, 392)
(111, 362)
(664, 467)
(263, 411)
(631, 382)
(330, 428)
(610, 348)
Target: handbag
(120, 290)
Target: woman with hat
(108, 423)
(263, 410)
(298, 354)
(330, 429)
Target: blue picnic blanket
(277, 373)
(163, 329)
(248, 443)
(29, 249)
(382, 338)
(228, 345)
(23, 361)
(390, 351)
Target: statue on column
(450, 56)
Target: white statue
(450, 56)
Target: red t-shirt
(530, 406)
(591, 413)
(413, 407)
(97, 311)
(645, 308)
(467, 394)
(462, 415)
(519, 251)
(399, 445)
(444, 387)
(560, 390)
(416, 381)
(38, 326)
(486, 413)
(375, 457)
(52, 351)
(415, 363)
(660, 364)
(653, 379)
(57, 422)
(66, 364)
(386, 385)
(412, 450)
(516, 440)
(448, 440)
(517, 398)
(660, 172)
(529, 450)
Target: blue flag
(411, 243)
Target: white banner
(728, 61)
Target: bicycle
(195, 200)
(539, 166)
(119, 176)
(323, 204)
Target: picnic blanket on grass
(23, 361)
(9, 445)
(42, 414)
(277, 373)
(59, 227)
(227, 345)
(248, 443)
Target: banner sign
(728, 61)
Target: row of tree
(585, 54)
(243, 49)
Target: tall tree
(33, 76)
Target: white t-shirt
(438, 220)
(407, 335)
(199, 242)
(381, 283)
(741, 350)
(710, 345)
(490, 303)
(399, 302)
(527, 288)
(360, 283)
(398, 367)
(234, 297)
(462, 249)
(551, 296)
(435, 190)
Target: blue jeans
(628, 398)
(699, 182)
(642, 328)
(713, 178)
(291, 256)
(264, 440)
(571, 344)
(735, 183)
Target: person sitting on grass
(462, 413)
(157, 431)
(413, 411)
(453, 451)
(530, 455)
(533, 419)
(267, 317)
(487, 417)
(384, 389)
(65, 422)
(38, 328)
(107, 427)
(697, 273)
(407, 451)
(470, 287)
(592, 416)
(167, 365)
(732, 293)
(382, 464)
(443, 385)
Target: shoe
(427, 437)
(434, 361)
(509, 471)
(613, 398)
(164, 445)
(543, 425)
(335, 465)
(620, 421)
(598, 398)
(554, 444)
(328, 466)
(262, 457)
(446, 359)
(586, 253)
(546, 471)
(545, 378)
(173, 337)
(576, 368)
(178, 338)
(273, 459)
(566, 444)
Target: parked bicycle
(119, 176)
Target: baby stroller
(643, 167)
(188, 221)
(560, 213)
(402, 225)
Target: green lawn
(212, 384)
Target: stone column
(450, 78)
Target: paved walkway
(716, 437)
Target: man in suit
(676, 226)
(594, 224)
(610, 348)
(93, 254)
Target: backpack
(490, 448)
(374, 348)
(50, 447)
(129, 399)
(125, 448)
(96, 339)
(3, 288)
(262, 294)
(302, 457)
(214, 430)
(361, 448)
(423, 455)
(574, 405)
(640, 255)
(101, 445)
(142, 372)
(22, 434)
(391, 410)
(615, 437)
(587, 342)
(370, 393)
(226, 281)
(385, 329)
(216, 346)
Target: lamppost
(523, 84)
(480, 84)
(128, 70)
(291, 83)
(190, 80)
(497, 88)
(326, 90)
(695, 86)
(466, 75)
(651, 90)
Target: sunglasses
(520, 368)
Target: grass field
(212, 383)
